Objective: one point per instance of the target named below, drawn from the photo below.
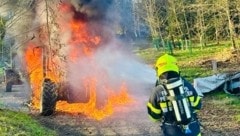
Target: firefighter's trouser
(192, 129)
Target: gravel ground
(127, 120)
(17, 99)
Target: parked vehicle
(12, 77)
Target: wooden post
(214, 66)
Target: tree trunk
(231, 29)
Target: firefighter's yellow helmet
(166, 63)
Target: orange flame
(89, 108)
(81, 44)
(35, 70)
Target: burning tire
(48, 98)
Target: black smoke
(92, 9)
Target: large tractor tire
(48, 98)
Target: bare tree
(137, 19)
(18, 16)
(200, 26)
(225, 5)
(174, 23)
(154, 16)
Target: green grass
(237, 118)
(222, 98)
(227, 102)
(186, 59)
(21, 124)
(191, 69)
(151, 54)
(191, 73)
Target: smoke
(111, 66)
(94, 9)
(122, 65)
(111, 63)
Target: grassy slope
(187, 60)
(190, 69)
(21, 124)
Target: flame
(82, 44)
(34, 67)
(89, 108)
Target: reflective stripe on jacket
(157, 106)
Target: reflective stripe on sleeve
(153, 109)
(152, 119)
(195, 111)
(196, 102)
(191, 98)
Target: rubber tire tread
(48, 98)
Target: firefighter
(174, 101)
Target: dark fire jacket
(159, 109)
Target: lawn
(21, 124)
(192, 65)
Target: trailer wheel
(48, 98)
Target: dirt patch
(218, 119)
(133, 120)
(227, 60)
